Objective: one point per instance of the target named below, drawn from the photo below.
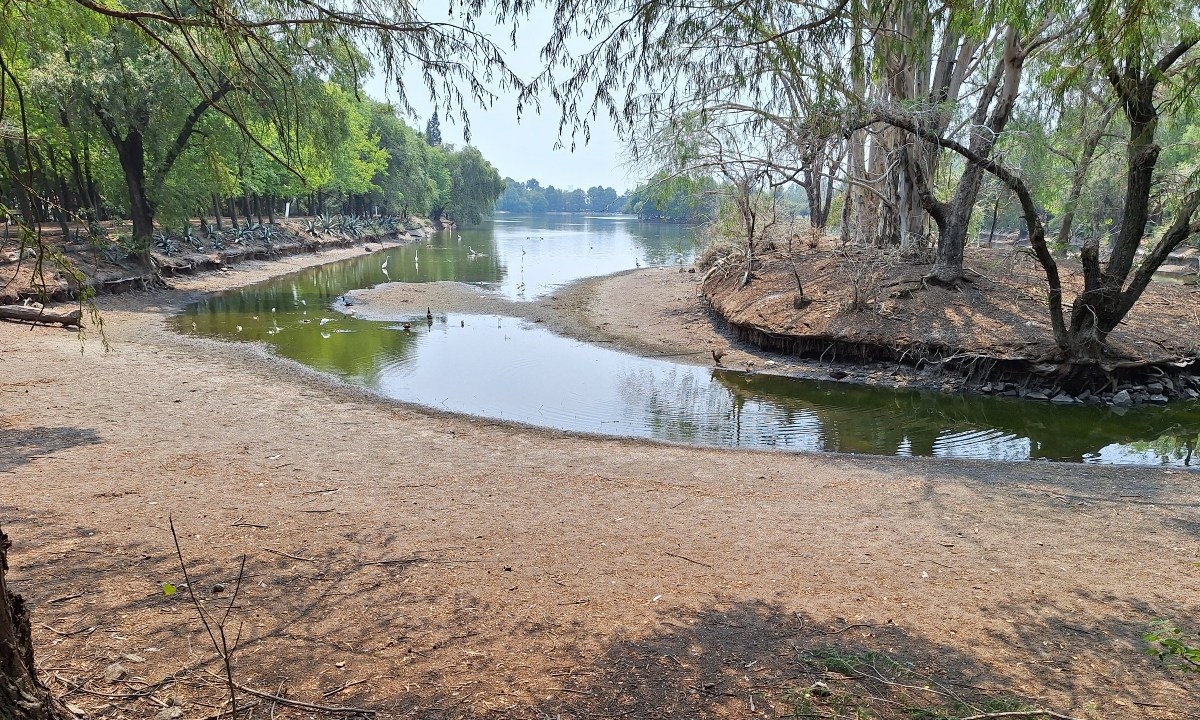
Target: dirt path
(440, 566)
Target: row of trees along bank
(113, 126)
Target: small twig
(223, 713)
(342, 687)
(1019, 714)
(398, 561)
(694, 562)
(222, 647)
(287, 555)
(851, 625)
(73, 687)
(306, 706)
(64, 598)
(69, 633)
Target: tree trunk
(132, 155)
(22, 696)
(93, 192)
(1087, 155)
(217, 212)
(24, 201)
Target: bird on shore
(428, 314)
(384, 265)
(717, 355)
(406, 327)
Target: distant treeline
(662, 198)
(531, 198)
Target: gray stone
(1122, 398)
(1009, 393)
(1062, 399)
(115, 672)
(1192, 394)
(1154, 388)
(1084, 396)
(1159, 399)
(1036, 395)
(171, 713)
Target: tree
(602, 199)
(433, 130)
(574, 201)
(22, 695)
(475, 185)
(1143, 64)
(405, 185)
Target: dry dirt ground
(1001, 313)
(423, 565)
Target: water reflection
(506, 368)
(905, 422)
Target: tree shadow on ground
(361, 620)
(19, 446)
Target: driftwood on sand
(34, 314)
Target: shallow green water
(506, 368)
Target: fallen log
(26, 313)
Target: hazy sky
(525, 150)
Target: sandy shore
(427, 565)
(654, 311)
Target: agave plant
(166, 244)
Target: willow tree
(148, 75)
